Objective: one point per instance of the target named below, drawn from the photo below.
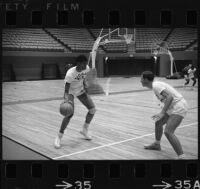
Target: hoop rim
(126, 38)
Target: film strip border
(77, 13)
(100, 174)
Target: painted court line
(32, 101)
(114, 143)
(108, 86)
(60, 98)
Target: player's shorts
(180, 108)
(86, 101)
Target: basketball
(66, 109)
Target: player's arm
(85, 85)
(68, 80)
(66, 93)
(168, 100)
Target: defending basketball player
(173, 112)
(75, 86)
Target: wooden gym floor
(121, 127)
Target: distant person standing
(185, 73)
(191, 75)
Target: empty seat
(28, 39)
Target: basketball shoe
(57, 143)
(181, 157)
(153, 146)
(84, 132)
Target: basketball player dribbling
(173, 112)
(75, 86)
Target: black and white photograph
(99, 93)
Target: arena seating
(96, 32)
(29, 39)
(194, 46)
(82, 39)
(146, 36)
(181, 38)
(78, 40)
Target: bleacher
(81, 39)
(193, 47)
(29, 39)
(181, 38)
(96, 32)
(146, 36)
(78, 40)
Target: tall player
(173, 112)
(75, 86)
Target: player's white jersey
(159, 86)
(75, 79)
(191, 73)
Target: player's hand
(157, 116)
(65, 100)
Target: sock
(85, 126)
(60, 135)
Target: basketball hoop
(159, 48)
(128, 38)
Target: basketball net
(128, 38)
(158, 48)
(105, 39)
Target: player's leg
(194, 81)
(64, 124)
(172, 123)
(89, 104)
(158, 134)
(187, 80)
